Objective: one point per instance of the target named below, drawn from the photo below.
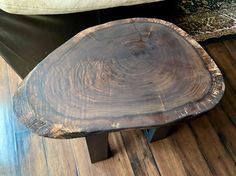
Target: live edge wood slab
(132, 73)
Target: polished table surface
(133, 73)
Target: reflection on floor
(205, 146)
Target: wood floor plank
(219, 161)
(31, 155)
(117, 165)
(14, 80)
(187, 148)
(224, 129)
(28, 164)
(223, 53)
(228, 103)
(8, 155)
(179, 154)
(140, 156)
(223, 118)
(167, 158)
(224, 60)
(59, 157)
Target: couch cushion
(60, 7)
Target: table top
(132, 73)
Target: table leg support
(154, 134)
(98, 147)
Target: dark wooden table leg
(98, 147)
(154, 134)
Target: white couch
(31, 7)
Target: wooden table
(132, 73)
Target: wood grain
(167, 158)
(218, 159)
(140, 156)
(146, 70)
(174, 155)
(21, 153)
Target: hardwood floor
(205, 146)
